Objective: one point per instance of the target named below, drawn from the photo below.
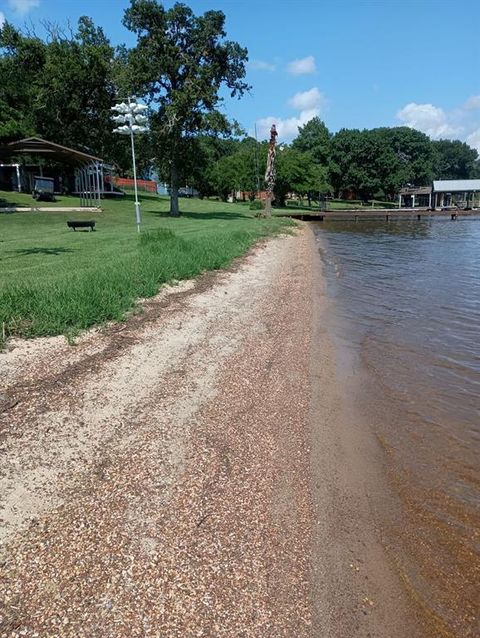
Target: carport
(89, 170)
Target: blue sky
(356, 64)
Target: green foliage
(297, 172)
(236, 172)
(256, 205)
(455, 160)
(378, 162)
(314, 138)
(62, 89)
(180, 62)
(55, 281)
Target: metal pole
(87, 181)
(78, 185)
(137, 203)
(19, 183)
(87, 186)
(82, 187)
(97, 175)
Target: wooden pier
(387, 214)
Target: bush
(256, 205)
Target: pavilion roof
(456, 185)
(51, 150)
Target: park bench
(81, 224)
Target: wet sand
(196, 471)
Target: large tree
(378, 162)
(314, 138)
(22, 59)
(455, 160)
(297, 173)
(180, 63)
(61, 88)
(239, 171)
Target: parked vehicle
(43, 188)
(187, 191)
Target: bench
(81, 224)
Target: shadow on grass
(42, 251)
(203, 216)
(5, 204)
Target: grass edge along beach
(56, 281)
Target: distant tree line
(62, 85)
(364, 164)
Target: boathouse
(410, 197)
(456, 193)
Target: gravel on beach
(157, 477)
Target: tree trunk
(174, 209)
(267, 210)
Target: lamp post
(131, 121)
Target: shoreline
(194, 471)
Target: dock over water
(379, 213)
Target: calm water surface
(406, 316)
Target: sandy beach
(196, 471)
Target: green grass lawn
(56, 281)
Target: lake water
(405, 314)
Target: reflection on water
(407, 309)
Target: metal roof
(39, 146)
(456, 185)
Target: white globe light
(122, 130)
(121, 108)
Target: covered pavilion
(88, 170)
(456, 193)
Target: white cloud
(473, 103)
(307, 100)
(260, 65)
(286, 128)
(473, 139)
(429, 119)
(22, 7)
(2, 19)
(309, 104)
(303, 66)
